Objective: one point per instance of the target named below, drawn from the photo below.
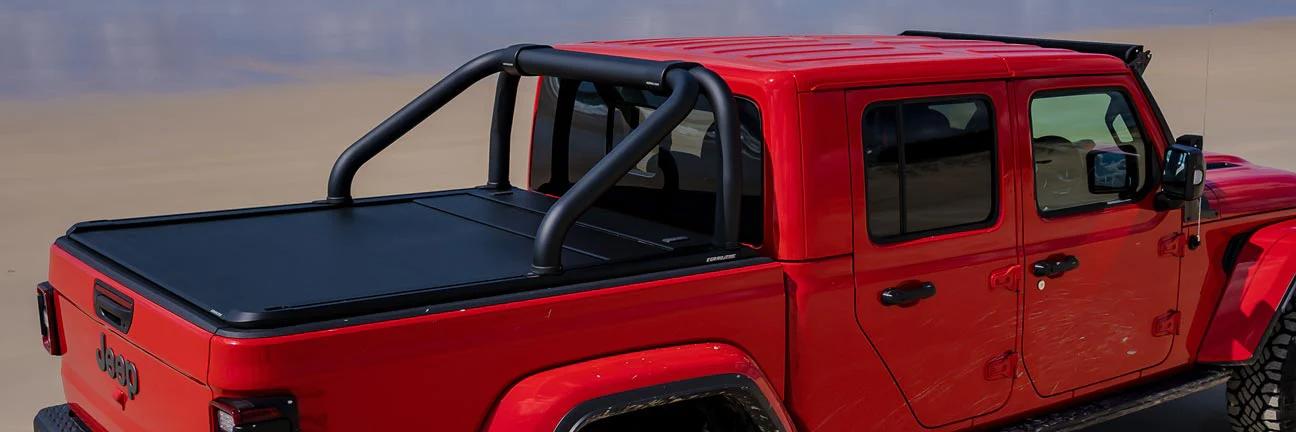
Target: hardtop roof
(839, 61)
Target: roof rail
(1134, 56)
(683, 82)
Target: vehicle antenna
(1194, 241)
(1210, 33)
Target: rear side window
(1088, 148)
(577, 123)
(929, 167)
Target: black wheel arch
(737, 389)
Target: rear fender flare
(1259, 289)
(566, 398)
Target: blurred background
(118, 108)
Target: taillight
(45, 301)
(263, 414)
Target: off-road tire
(1262, 395)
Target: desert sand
(112, 156)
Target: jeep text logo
(117, 367)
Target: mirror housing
(1191, 140)
(1111, 171)
(1183, 177)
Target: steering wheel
(1059, 169)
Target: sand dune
(112, 156)
(1247, 109)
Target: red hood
(1237, 187)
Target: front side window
(1088, 148)
(929, 167)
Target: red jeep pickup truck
(929, 231)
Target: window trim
(996, 195)
(1151, 166)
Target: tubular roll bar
(681, 79)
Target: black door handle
(908, 295)
(1056, 266)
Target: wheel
(1262, 395)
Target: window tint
(929, 166)
(674, 184)
(1072, 129)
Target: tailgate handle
(113, 307)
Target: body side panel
(824, 168)
(455, 365)
(836, 379)
(837, 382)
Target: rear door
(936, 255)
(1108, 257)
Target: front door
(936, 251)
(1101, 261)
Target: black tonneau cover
(284, 265)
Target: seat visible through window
(929, 167)
(1068, 125)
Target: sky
(73, 47)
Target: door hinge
(1005, 278)
(1172, 245)
(1166, 324)
(1003, 366)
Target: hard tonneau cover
(283, 265)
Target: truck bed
(284, 265)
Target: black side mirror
(1111, 171)
(1190, 140)
(1184, 176)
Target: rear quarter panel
(447, 370)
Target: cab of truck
(996, 190)
(929, 231)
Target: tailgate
(128, 363)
